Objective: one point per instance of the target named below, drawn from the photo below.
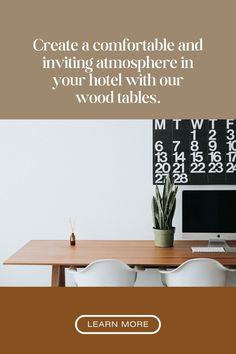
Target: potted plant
(163, 207)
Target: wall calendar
(194, 151)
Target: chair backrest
(196, 272)
(106, 272)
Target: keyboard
(207, 249)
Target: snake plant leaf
(158, 194)
(171, 207)
(159, 214)
(166, 190)
(164, 205)
(165, 193)
(172, 214)
(154, 213)
(168, 186)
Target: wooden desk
(59, 254)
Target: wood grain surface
(135, 252)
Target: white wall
(99, 171)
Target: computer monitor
(209, 214)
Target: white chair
(197, 272)
(105, 272)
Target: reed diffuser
(72, 236)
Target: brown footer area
(41, 320)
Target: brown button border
(118, 316)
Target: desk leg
(58, 276)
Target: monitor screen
(209, 211)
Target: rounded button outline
(126, 316)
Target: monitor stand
(221, 243)
(217, 243)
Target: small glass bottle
(72, 239)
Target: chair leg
(139, 268)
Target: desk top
(135, 252)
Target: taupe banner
(125, 59)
